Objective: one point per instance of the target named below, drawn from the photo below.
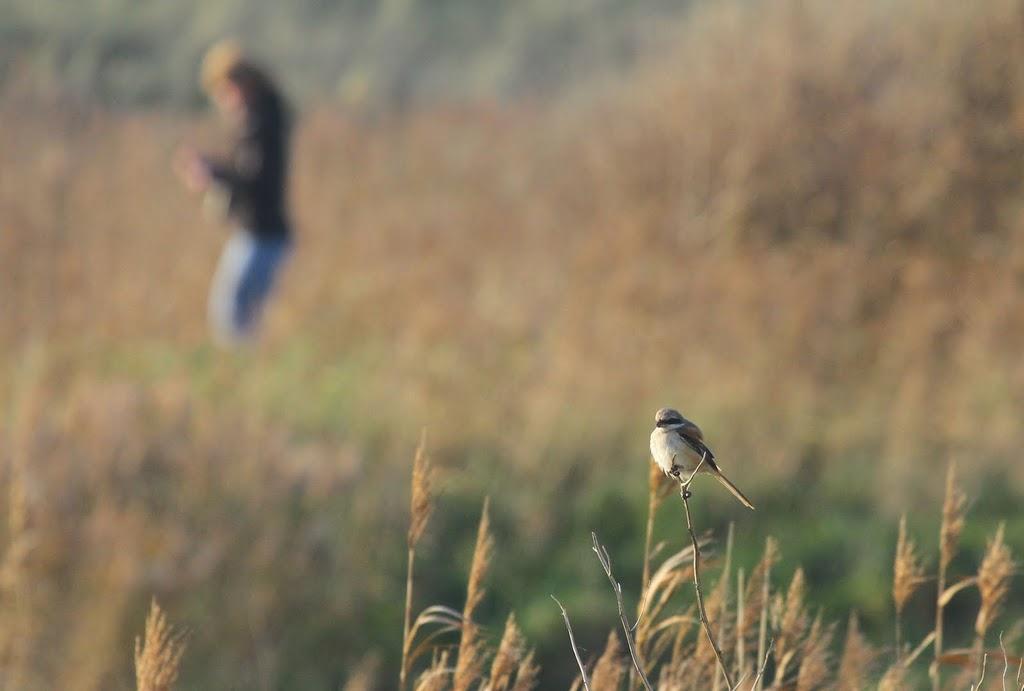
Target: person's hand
(190, 167)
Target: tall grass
(802, 646)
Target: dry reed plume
(512, 666)
(908, 575)
(471, 650)
(363, 677)
(856, 660)
(510, 655)
(953, 508)
(421, 505)
(994, 584)
(815, 665)
(790, 618)
(158, 653)
(609, 670)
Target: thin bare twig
(572, 642)
(764, 663)
(921, 647)
(684, 493)
(406, 639)
(981, 679)
(762, 632)
(740, 648)
(606, 564)
(1006, 660)
(723, 583)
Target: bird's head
(668, 417)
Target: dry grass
(953, 510)
(790, 622)
(364, 676)
(421, 503)
(158, 653)
(856, 660)
(512, 666)
(801, 648)
(507, 660)
(993, 583)
(471, 651)
(907, 576)
(611, 669)
(527, 677)
(815, 665)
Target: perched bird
(678, 447)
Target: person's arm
(239, 174)
(191, 169)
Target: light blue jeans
(241, 285)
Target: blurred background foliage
(392, 54)
(524, 226)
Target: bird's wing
(691, 429)
(696, 442)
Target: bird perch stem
(684, 494)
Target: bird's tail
(734, 489)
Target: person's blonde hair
(222, 61)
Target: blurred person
(248, 186)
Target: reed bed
(802, 654)
(681, 644)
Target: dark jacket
(254, 173)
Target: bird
(678, 448)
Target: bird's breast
(661, 449)
(672, 450)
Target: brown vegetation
(829, 200)
(802, 649)
(804, 227)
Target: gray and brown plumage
(678, 447)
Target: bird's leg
(674, 469)
(684, 486)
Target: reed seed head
(952, 519)
(422, 500)
(471, 647)
(815, 658)
(792, 618)
(609, 671)
(526, 676)
(508, 657)
(993, 580)
(435, 677)
(908, 573)
(158, 653)
(856, 660)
